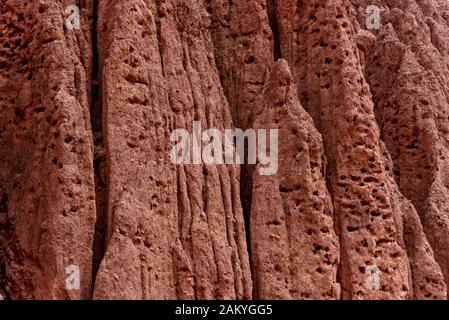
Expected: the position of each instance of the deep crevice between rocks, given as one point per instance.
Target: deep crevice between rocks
(246, 171)
(99, 163)
(273, 21)
(246, 201)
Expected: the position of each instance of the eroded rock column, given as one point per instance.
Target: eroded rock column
(47, 195)
(174, 231)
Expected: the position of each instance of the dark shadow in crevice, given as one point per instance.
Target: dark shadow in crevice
(272, 16)
(100, 160)
(246, 201)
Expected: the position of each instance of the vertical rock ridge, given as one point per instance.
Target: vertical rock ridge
(243, 49)
(244, 54)
(87, 123)
(294, 246)
(47, 175)
(413, 120)
(332, 85)
(182, 222)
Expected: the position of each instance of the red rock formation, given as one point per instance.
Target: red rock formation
(295, 250)
(173, 231)
(86, 178)
(46, 173)
(331, 83)
(412, 109)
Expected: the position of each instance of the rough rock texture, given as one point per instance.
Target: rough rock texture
(295, 250)
(86, 117)
(46, 163)
(327, 62)
(412, 109)
(180, 228)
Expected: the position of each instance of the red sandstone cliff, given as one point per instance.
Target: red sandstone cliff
(86, 179)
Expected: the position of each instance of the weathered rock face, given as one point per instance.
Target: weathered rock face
(173, 231)
(328, 62)
(295, 250)
(89, 193)
(412, 109)
(47, 184)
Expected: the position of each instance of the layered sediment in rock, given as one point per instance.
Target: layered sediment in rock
(86, 123)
